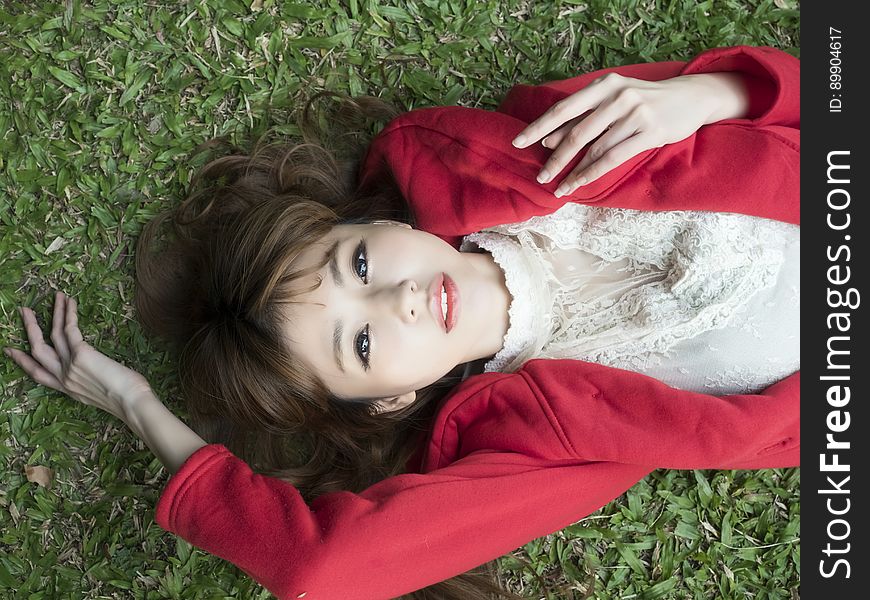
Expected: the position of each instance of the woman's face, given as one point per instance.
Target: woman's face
(369, 330)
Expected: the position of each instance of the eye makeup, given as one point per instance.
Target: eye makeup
(362, 341)
(361, 250)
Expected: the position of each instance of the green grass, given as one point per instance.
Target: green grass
(101, 103)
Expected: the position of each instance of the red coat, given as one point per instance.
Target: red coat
(513, 457)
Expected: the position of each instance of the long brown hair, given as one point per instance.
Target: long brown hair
(212, 288)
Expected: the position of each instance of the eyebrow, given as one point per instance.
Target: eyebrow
(332, 256)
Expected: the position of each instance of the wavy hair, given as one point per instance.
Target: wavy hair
(211, 276)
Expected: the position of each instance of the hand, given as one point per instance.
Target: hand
(73, 366)
(631, 116)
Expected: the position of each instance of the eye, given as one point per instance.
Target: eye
(360, 266)
(362, 347)
(360, 256)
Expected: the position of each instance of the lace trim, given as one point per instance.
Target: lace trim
(712, 264)
(525, 319)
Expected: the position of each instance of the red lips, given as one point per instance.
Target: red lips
(435, 300)
(444, 280)
(453, 302)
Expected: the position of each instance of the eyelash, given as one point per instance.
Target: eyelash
(361, 249)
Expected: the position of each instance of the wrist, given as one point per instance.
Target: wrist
(168, 437)
(728, 95)
(133, 399)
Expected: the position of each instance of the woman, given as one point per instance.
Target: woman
(513, 455)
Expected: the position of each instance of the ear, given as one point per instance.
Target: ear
(395, 403)
(389, 222)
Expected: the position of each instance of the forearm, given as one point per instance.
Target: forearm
(165, 434)
(330, 547)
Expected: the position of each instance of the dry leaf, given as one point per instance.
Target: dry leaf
(709, 527)
(38, 474)
(56, 244)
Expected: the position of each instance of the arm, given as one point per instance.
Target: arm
(619, 117)
(500, 499)
(772, 78)
(570, 409)
(460, 173)
(758, 87)
(165, 434)
(398, 528)
(330, 548)
(77, 369)
(513, 456)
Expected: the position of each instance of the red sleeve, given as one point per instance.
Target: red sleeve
(575, 409)
(512, 457)
(399, 535)
(459, 172)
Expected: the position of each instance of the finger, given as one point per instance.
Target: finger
(35, 370)
(562, 111)
(73, 335)
(555, 138)
(618, 133)
(584, 132)
(41, 351)
(58, 337)
(613, 158)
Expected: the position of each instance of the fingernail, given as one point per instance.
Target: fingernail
(544, 176)
(519, 140)
(561, 190)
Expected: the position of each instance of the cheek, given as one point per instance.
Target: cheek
(410, 358)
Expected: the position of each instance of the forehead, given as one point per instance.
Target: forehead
(307, 328)
(316, 252)
(310, 314)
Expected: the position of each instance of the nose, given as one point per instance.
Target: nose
(408, 302)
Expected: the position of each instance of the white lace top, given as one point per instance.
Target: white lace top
(703, 301)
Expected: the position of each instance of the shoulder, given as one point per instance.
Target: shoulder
(497, 413)
(467, 404)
